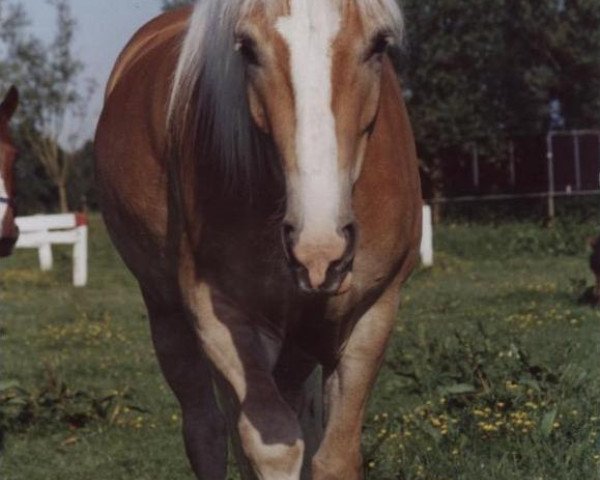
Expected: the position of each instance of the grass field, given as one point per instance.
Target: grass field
(494, 371)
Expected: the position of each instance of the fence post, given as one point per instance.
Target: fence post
(475, 166)
(550, 158)
(80, 252)
(427, 238)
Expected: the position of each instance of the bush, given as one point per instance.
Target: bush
(507, 240)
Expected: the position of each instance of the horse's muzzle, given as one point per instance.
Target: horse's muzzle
(320, 269)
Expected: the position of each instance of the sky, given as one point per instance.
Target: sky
(104, 27)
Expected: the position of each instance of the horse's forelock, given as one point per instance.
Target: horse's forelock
(383, 14)
(209, 120)
(214, 20)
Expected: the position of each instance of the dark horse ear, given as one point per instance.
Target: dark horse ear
(593, 241)
(9, 104)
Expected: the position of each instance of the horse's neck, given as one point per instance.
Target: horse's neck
(266, 206)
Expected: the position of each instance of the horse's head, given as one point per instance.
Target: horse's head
(313, 73)
(8, 229)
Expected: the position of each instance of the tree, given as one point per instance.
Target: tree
(451, 75)
(488, 71)
(552, 53)
(49, 77)
(17, 49)
(82, 188)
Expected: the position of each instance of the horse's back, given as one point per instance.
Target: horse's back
(138, 88)
(154, 33)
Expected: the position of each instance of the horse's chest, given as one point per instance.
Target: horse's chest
(248, 266)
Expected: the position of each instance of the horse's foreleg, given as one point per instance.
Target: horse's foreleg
(267, 426)
(347, 391)
(311, 418)
(188, 373)
(301, 385)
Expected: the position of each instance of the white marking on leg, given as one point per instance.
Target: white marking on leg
(275, 461)
(281, 460)
(309, 31)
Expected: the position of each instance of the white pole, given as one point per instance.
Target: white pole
(80, 257)
(45, 255)
(427, 238)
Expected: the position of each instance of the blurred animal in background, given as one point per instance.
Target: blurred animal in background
(8, 153)
(594, 243)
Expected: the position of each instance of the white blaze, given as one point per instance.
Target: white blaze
(309, 32)
(3, 206)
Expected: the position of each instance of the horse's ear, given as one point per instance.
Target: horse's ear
(9, 104)
(593, 241)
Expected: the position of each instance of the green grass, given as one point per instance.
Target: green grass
(493, 373)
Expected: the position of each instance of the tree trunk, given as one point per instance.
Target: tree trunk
(437, 207)
(62, 197)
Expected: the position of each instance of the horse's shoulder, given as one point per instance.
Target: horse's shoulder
(387, 198)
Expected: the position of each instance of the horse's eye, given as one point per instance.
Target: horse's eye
(247, 47)
(379, 44)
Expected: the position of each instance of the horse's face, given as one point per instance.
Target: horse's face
(8, 229)
(314, 73)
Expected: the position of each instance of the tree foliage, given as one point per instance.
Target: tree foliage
(488, 71)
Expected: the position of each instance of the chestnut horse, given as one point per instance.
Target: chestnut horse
(259, 178)
(8, 229)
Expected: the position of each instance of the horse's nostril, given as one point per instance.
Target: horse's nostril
(287, 235)
(323, 264)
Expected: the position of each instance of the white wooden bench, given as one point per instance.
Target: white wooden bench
(43, 231)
